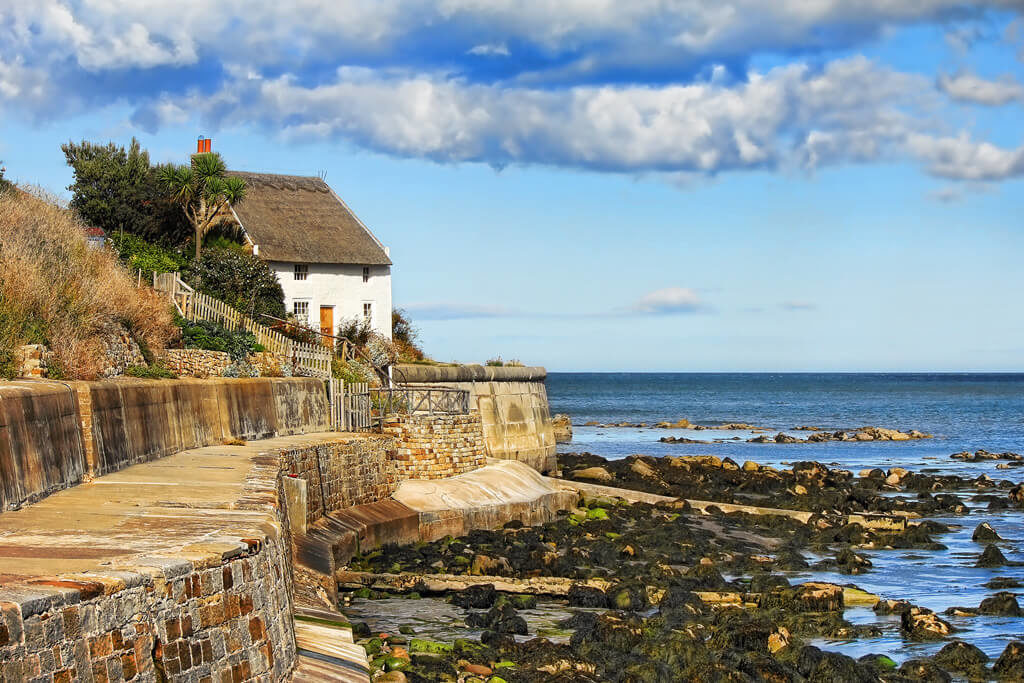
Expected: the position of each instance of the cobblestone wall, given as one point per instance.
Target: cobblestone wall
(342, 473)
(196, 362)
(435, 446)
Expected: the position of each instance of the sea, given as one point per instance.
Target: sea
(963, 412)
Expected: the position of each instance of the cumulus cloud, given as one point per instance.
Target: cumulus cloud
(962, 158)
(791, 115)
(968, 87)
(667, 301)
(647, 86)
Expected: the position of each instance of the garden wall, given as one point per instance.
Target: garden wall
(513, 405)
(435, 446)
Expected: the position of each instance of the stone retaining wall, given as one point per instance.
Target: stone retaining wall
(513, 405)
(435, 446)
(198, 363)
(342, 473)
(217, 610)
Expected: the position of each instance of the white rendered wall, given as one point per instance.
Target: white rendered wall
(340, 286)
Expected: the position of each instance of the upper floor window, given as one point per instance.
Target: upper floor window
(366, 273)
(301, 271)
(368, 311)
(301, 310)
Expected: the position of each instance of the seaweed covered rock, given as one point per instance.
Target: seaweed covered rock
(628, 597)
(1010, 665)
(991, 557)
(921, 624)
(805, 597)
(1002, 604)
(963, 658)
(925, 671)
(818, 665)
(479, 596)
(502, 619)
(849, 562)
(586, 596)
(984, 533)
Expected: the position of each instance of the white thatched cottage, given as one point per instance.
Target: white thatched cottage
(330, 265)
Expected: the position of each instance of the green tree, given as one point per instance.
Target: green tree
(204, 191)
(241, 280)
(118, 190)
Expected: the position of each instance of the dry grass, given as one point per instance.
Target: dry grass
(55, 289)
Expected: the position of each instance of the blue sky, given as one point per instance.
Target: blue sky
(598, 185)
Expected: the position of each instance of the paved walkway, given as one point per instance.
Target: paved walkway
(182, 505)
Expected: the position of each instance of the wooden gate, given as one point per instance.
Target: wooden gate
(350, 405)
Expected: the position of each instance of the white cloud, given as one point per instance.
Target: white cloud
(798, 306)
(667, 301)
(961, 158)
(968, 87)
(791, 115)
(489, 50)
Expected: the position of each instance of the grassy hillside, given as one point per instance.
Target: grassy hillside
(56, 290)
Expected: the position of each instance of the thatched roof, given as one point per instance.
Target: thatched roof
(300, 219)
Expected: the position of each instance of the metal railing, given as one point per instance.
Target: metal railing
(313, 359)
(420, 400)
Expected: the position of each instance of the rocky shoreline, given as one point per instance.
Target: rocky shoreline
(669, 593)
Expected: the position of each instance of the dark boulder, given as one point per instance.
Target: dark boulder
(501, 619)
(586, 596)
(1001, 604)
(991, 557)
(984, 533)
(924, 670)
(963, 658)
(1010, 665)
(821, 666)
(480, 596)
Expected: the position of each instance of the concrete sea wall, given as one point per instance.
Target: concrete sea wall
(54, 435)
(135, 422)
(41, 445)
(513, 405)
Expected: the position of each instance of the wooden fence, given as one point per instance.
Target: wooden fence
(313, 359)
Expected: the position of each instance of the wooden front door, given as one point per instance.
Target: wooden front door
(327, 324)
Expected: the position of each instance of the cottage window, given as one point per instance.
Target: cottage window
(301, 271)
(366, 273)
(368, 312)
(301, 311)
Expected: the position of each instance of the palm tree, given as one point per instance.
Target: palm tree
(204, 191)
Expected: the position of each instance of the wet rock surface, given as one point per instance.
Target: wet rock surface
(669, 593)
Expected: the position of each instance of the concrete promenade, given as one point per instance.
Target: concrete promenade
(73, 564)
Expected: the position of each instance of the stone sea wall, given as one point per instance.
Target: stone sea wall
(341, 473)
(144, 420)
(41, 445)
(53, 435)
(513, 405)
(435, 446)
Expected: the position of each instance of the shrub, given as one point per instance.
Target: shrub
(358, 331)
(352, 371)
(55, 289)
(154, 371)
(241, 368)
(213, 336)
(138, 254)
(406, 337)
(243, 281)
(495, 362)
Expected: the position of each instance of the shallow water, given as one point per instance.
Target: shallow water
(436, 619)
(964, 412)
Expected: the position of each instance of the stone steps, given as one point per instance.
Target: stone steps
(326, 649)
